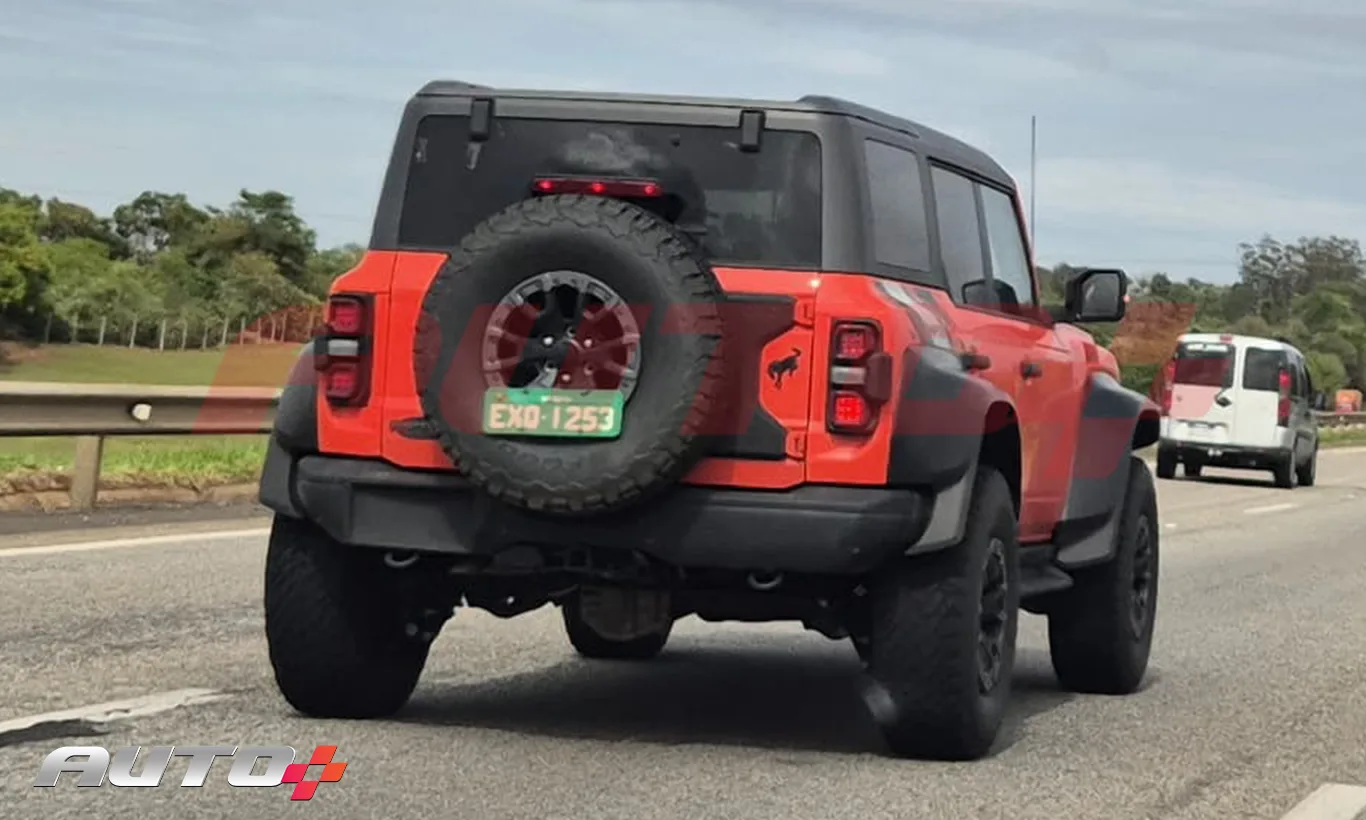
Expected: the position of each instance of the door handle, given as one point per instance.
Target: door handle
(1030, 370)
(972, 360)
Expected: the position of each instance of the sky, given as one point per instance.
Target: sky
(1169, 131)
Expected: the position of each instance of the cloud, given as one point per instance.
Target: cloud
(1144, 194)
(1169, 129)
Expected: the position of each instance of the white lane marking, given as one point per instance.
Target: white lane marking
(1270, 508)
(145, 541)
(1331, 801)
(117, 709)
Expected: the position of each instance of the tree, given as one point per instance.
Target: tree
(326, 265)
(254, 287)
(79, 276)
(23, 265)
(154, 221)
(1326, 371)
(271, 227)
(68, 220)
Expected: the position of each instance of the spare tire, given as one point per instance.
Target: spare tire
(522, 302)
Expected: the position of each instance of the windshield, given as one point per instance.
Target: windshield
(761, 208)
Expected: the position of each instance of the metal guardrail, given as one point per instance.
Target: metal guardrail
(1330, 419)
(92, 412)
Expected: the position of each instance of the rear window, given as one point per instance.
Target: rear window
(758, 209)
(1262, 369)
(1201, 364)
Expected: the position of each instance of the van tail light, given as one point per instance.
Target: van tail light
(1283, 405)
(860, 378)
(341, 354)
(1168, 385)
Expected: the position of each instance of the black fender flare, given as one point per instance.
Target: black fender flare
(293, 434)
(943, 416)
(1115, 423)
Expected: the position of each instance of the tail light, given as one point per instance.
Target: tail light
(860, 378)
(624, 188)
(1168, 385)
(1283, 405)
(342, 353)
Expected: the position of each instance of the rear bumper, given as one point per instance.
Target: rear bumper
(1224, 455)
(813, 529)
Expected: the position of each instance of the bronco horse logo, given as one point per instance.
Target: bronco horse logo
(786, 366)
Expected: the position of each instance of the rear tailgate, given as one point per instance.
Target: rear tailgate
(1203, 373)
(758, 210)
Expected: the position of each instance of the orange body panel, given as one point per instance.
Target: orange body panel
(1048, 407)
(412, 276)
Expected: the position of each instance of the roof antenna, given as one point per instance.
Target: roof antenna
(1033, 155)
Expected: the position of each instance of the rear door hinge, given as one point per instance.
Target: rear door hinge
(805, 315)
(796, 445)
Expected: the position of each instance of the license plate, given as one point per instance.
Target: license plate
(552, 412)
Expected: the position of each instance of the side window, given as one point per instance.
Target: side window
(960, 236)
(900, 235)
(1262, 369)
(1009, 260)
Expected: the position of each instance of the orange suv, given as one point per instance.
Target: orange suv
(647, 357)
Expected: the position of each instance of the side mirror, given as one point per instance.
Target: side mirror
(1096, 295)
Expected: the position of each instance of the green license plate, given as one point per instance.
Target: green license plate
(546, 411)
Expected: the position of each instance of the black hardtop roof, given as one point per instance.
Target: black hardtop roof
(935, 142)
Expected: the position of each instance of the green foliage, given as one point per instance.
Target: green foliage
(161, 257)
(1139, 377)
(23, 265)
(1326, 370)
(158, 257)
(1311, 292)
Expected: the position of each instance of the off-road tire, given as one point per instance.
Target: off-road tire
(334, 626)
(1094, 645)
(653, 266)
(1285, 473)
(923, 687)
(1309, 472)
(1166, 464)
(588, 643)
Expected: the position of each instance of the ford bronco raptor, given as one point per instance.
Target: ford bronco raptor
(647, 357)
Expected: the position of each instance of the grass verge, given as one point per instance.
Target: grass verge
(249, 365)
(38, 464)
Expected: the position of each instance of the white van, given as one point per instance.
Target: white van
(1238, 401)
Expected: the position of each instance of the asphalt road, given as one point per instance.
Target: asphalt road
(1257, 694)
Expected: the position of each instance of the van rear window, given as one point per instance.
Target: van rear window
(1202, 364)
(758, 209)
(1262, 370)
